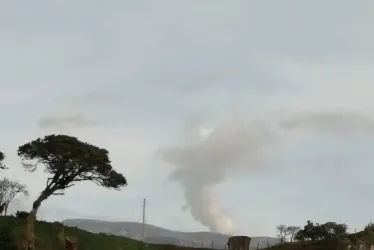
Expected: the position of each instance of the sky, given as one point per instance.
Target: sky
(231, 116)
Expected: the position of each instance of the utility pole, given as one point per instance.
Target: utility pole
(143, 225)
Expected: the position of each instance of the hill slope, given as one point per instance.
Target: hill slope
(158, 235)
(48, 236)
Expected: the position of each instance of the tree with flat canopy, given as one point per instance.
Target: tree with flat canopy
(67, 160)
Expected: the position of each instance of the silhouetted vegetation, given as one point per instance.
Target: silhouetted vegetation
(67, 160)
(22, 214)
(2, 157)
(318, 231)
(284, 231)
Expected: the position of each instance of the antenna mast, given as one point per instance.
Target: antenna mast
(143, 225)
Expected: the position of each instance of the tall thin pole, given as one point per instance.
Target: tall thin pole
(143, 225)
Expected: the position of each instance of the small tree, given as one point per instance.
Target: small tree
(282, 232)
(22, 214)
(9, 189)
(2, 157)
(68, 161)
(292, 230)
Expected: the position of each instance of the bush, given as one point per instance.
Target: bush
(22, 214)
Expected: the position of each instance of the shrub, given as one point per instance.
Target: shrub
(22, 214)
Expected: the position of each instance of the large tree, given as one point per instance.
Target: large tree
(9, 189)
(2, 157)
(67, 160)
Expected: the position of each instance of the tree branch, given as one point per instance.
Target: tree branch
(58, 194)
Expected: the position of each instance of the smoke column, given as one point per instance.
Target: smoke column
(202, 164)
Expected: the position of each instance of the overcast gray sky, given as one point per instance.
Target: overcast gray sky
(284, 87)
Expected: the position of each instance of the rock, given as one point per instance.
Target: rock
(70, 243)
(239, 243)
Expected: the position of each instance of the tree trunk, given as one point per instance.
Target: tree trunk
(30, 226)
(2, 208)
(6, 209)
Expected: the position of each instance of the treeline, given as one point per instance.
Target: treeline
(314, 231)
(318, 231)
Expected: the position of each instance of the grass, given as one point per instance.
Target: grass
(50, 236)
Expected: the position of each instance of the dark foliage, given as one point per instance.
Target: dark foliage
(69, 160)
(22, 214)
(318, 231)
(2, 157)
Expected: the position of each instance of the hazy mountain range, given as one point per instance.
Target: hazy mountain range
(158, 235)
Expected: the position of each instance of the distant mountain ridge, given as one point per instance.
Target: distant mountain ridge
(158, 235)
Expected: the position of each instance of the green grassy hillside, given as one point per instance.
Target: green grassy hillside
(48, 236)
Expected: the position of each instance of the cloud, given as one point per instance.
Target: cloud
(76, 121)
(333, 122)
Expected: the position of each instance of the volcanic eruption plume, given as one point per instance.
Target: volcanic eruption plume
(202, 164)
